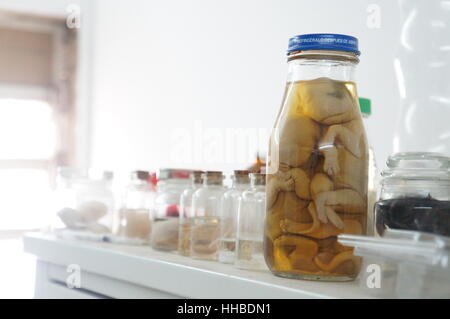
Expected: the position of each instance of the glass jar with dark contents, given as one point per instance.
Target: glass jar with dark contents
(415, 194)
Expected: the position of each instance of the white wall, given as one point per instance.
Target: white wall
(152, 67)
(161, 65)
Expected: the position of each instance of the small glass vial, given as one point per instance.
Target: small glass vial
(415, 194)
(134, 215)
(205, 226)
(372, 178)
(164, 233)
(250, 227)
(186, 213)
(229, 214)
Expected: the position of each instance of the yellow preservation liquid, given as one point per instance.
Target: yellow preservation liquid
(317, 181)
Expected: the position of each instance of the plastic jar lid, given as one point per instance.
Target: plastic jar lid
(365, 105)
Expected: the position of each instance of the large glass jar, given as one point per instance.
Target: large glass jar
(171, 183)
(205, 225)
(415, 194)
(134, 214)
(186, 213)
(317, 165)
(250, 226)
(229, 214)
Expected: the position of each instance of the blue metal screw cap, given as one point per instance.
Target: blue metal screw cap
(324, 41)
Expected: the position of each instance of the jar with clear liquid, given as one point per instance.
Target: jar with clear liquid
(166, 210)
(134, 214)
(229, 215)
(186, 213)
(205, 225)
(250, 227)
(317, 163)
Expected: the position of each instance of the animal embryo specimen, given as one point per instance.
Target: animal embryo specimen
(317, 181)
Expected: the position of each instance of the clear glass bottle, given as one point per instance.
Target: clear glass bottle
(373, 180)
(415, 194)
(250, 226)
(134, 214)
(205, 225)
(95, 204)
(186, 213)
(229, 214)
(317, 164)
(65, 200)
(164, 233)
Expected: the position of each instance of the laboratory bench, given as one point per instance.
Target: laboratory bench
(106, 270)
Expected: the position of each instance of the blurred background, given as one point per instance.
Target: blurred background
(122, 85)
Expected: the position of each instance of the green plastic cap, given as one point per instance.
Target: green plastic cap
(365, 105)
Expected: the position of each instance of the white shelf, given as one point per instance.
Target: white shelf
(121, 271)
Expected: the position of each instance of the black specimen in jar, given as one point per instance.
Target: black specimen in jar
(414, 213)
